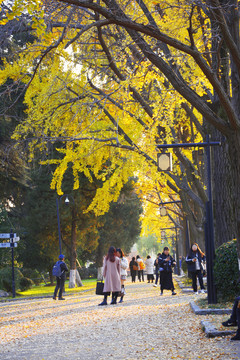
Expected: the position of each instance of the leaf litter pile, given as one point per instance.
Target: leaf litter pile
(144, 326)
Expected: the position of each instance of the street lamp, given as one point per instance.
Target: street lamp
(164, 161)
(163, 211)
(209, 228)
(58, 202)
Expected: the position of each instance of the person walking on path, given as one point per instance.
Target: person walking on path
(149, 268)
(111, 273)
(166, 262)
(194, 262)
(141, 267)
(60, 279)
(123, 273)
(156, 270)
(133, 265)
(234, 319)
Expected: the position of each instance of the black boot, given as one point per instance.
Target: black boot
(229, 322)
(104, 302)
(114, 299)
(122, 294)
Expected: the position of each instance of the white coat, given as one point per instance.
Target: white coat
(124, 266)
(149, 266)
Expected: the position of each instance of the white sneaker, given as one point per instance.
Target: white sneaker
(155, 285)
(196, 293)
(203, 291)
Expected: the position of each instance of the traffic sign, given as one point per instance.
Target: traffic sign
(8, 244)
(6, 236)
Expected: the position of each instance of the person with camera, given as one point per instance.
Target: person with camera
(166, 262)
(194, 262)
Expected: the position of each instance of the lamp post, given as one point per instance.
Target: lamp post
(209, 227)
(58, 201)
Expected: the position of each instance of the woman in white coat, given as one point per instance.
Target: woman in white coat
(149, 268)
(123, 273)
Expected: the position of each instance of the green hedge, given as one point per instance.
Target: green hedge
(6, 279)
(32, 274)
(226, 272)
(88, 273)
(25, 283)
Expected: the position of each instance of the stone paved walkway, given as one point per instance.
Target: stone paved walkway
(145, 326)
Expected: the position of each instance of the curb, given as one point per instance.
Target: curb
(211, 331)
(198, 311)
(2, 301)
(182, 287)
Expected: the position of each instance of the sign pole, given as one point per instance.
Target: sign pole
(13, 277)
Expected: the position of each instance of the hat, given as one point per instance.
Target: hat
(61, 256)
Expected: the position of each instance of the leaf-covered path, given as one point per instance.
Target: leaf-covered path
(145, 326)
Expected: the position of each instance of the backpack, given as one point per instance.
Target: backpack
(56, 271)
(141, 265)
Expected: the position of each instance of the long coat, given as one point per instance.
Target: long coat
(111, 273)
(166, 274)
(149, 266)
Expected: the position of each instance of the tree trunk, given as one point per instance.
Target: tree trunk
(72, 278)
(223, 192)
(234, 156)
(78, 279)
(73, 251)
(100, 273)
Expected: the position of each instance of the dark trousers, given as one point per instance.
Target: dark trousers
(194, 275)
(60, 286)
(140, 275)
(133, 274)
(236, 312)
(157, 276)
(150, 277)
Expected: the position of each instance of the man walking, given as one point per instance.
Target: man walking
(59, 271)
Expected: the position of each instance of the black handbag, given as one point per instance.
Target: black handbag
(99, 288)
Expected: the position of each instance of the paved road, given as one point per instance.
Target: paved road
(145, 326)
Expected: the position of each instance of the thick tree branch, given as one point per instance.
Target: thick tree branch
(119, 18)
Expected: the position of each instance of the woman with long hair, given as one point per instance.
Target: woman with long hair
(123, 274)
(194, 262)
(111, 273)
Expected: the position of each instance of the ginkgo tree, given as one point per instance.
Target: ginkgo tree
(112, 79)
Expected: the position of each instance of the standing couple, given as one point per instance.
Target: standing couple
(115, 273)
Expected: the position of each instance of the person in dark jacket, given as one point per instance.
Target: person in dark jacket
(156, 270)
(234, 319)
(194, 262)
(60, 279)
(133, 265)
(166, 262)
